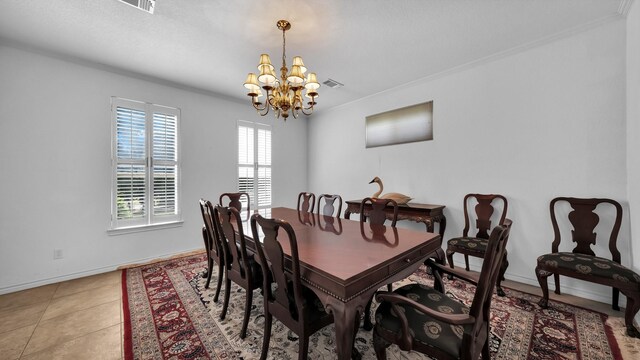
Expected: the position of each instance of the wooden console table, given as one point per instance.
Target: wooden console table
(422, 213)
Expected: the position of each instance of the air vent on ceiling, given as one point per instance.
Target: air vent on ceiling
(146, 5)
(333, 84)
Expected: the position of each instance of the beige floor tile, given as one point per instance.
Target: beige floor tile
(88, 283)
(21, 317)
(71, 326)
(100, 345)
(82, 300)
(13, 342)
(27, 297)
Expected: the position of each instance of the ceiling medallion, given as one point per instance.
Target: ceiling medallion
(284, 95)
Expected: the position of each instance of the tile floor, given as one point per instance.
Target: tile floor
(76, 319)
(82, 319)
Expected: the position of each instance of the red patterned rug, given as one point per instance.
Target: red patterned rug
(170, 315)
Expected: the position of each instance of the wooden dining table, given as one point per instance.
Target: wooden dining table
(344, 262)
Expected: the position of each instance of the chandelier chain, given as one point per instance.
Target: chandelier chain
(284, 49)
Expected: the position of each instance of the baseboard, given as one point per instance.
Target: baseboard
(100, 270)
(566, 289)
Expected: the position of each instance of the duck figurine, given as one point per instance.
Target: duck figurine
(401, 199)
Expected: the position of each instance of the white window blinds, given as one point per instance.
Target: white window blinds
(146, 164)
(254, 163)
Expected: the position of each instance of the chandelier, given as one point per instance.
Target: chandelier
(284, 94)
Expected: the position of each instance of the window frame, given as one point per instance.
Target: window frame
(256, 126)
(150, 220)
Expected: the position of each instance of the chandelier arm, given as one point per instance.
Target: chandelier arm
(305, 112)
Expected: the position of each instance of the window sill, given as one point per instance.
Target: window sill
(141, 228)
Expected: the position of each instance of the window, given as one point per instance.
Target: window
(146, 165)
(254, 163)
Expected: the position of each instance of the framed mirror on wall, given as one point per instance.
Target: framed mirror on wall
(400, 126)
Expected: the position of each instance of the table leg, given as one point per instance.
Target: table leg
(443, 226)
(346, 317)
(347, 214)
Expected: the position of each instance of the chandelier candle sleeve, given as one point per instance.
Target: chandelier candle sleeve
(283, 95)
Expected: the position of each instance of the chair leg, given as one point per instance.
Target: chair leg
(615, 298)
(542, 279)
(503, 270)
(466, 262)
(390, 287)
(209, 272)
(367, 325)
(267, 335)
(227, 293)
(219, 286)
(556, 278)
(303, 346)
(247, 313)
(450, 258)
(380, 346)
(633, 305)
(486, 355)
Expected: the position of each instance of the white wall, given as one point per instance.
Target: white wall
(55, 167)
(633, 127)
(545, 122)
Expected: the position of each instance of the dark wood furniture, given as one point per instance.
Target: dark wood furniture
(376, 210)
(343, 285)
(582, 263)
(476, 245)
(377, 215)
(328, 209)
(422, 213)
(419, 318)
(296, 306)
(306, 201)
(241, 266)
(212, 245)
(235, 200)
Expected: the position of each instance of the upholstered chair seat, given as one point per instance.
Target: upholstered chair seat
(589, 265)
(429, 331)
(468, 244)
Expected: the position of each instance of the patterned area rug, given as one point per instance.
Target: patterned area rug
(170, 315)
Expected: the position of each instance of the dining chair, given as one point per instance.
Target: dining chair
(328, 209)
(419, 318)
(306, 201)
(215, 254)
(582, 262)
(285, 297)
(236, 200)
(241, 265)
(378, 213)
(377, 217)
(476, 245)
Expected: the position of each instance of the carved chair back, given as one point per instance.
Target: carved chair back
(378, 213)
(236, 200)
(328, 208)
(233, 241)
(306, 201)
(287, 300)
(484, 209)
(584, 221)
(212, 243)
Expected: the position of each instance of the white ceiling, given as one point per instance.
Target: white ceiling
(369, 45)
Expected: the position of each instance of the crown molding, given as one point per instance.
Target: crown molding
(624, 7)
(499, 55)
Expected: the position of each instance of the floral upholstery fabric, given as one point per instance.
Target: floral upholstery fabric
(588, 265)
(472, 244)
(425, 329)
